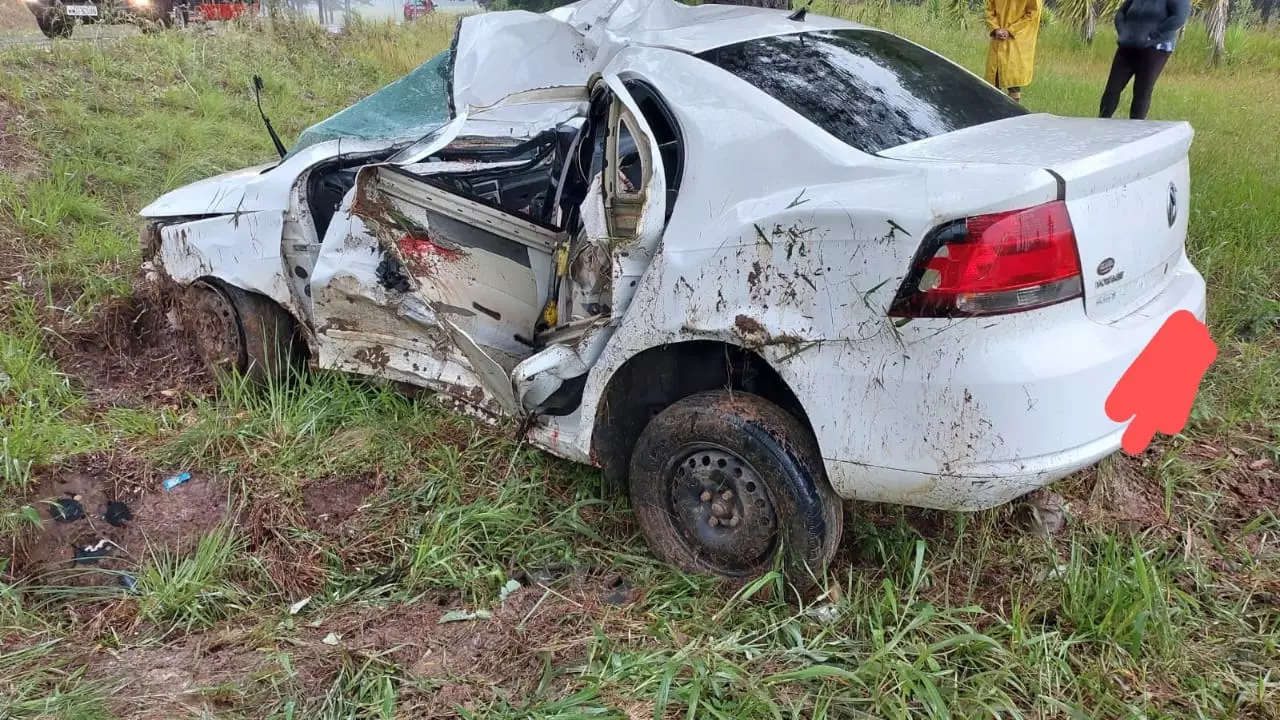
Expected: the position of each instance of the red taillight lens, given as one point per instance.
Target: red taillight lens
(994, 264)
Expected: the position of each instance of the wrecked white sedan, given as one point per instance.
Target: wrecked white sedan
(748, 263)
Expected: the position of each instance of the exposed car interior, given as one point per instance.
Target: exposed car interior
(582, 187)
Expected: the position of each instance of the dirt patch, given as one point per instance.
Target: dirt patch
(102, 512)
(440, 667)
(470, 663)
(1117, 495)
(333, 506)
(1232, 483)
(130, 352)
(1244, 472)
(161, 682)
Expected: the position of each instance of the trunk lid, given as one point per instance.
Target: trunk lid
(1126, 185)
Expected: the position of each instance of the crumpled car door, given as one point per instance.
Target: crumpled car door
(628, 221)
(431, 287)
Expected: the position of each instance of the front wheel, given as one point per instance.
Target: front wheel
(239, 332)
(728, 483)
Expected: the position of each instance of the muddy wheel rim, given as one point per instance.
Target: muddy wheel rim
(721, 508)
(216, 329)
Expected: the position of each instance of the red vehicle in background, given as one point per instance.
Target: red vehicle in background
(417, 8)
(212, 11)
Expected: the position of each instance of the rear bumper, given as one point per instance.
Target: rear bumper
(969, 414)
(979, 485)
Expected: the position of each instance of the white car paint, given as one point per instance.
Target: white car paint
(263, 187)
(784, 241)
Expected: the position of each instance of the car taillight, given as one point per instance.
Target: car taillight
(994, 264)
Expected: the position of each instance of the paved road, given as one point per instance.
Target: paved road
(83, 33)
(378, 10)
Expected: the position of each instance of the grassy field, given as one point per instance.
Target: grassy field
(344, 551)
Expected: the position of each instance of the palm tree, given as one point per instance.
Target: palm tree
(1085, 14)
(1215, 19)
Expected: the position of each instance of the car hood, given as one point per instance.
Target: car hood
(217, 195)
(254, 189)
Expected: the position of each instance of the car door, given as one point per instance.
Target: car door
(437, 277)
(433, 284)
(635, 195)
(625, 219)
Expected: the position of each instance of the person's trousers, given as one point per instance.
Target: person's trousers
(1141, 64)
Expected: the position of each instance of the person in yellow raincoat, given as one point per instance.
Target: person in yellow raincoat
(1015, 26)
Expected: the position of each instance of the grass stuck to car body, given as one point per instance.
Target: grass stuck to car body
(342, 548)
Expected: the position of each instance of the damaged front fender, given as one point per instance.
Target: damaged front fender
(242, 250)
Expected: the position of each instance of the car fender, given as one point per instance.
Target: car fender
(242, 250)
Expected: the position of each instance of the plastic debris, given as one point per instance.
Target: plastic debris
(296, 608)
(461, 615)
(91, 554)
(331, 639)
(117, 513)
(507, 589)
(826, 614)
(129, 582)
(176, 480)
(620, 591)
(541, 575)
(66, 510)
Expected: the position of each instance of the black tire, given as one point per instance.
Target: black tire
(778, 497)
(239, 332)
(54, 24)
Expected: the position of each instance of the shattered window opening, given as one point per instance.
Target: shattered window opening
(407, 109)
(666, 134)
(870, 89)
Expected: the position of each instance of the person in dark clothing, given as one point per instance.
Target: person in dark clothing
(1147, 31)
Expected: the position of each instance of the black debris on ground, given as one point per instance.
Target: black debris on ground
(66, 510)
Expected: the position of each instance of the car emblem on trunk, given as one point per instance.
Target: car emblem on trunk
(1105, 266)
(1172, 212)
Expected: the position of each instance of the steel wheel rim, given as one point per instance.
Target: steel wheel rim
(216, 329)
(720, 508)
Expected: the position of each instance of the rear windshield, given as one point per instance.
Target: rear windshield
(870, 89)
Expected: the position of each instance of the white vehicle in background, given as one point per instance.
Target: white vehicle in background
(748, 263)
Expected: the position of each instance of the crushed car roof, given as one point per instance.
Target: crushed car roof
(506, 58)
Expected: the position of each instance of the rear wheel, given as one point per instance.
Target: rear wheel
(728, 483)
(54, 23)
(239, 332)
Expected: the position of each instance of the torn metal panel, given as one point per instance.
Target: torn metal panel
(492, 266)
(364, 326)
(570, 354)
(242, 250)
